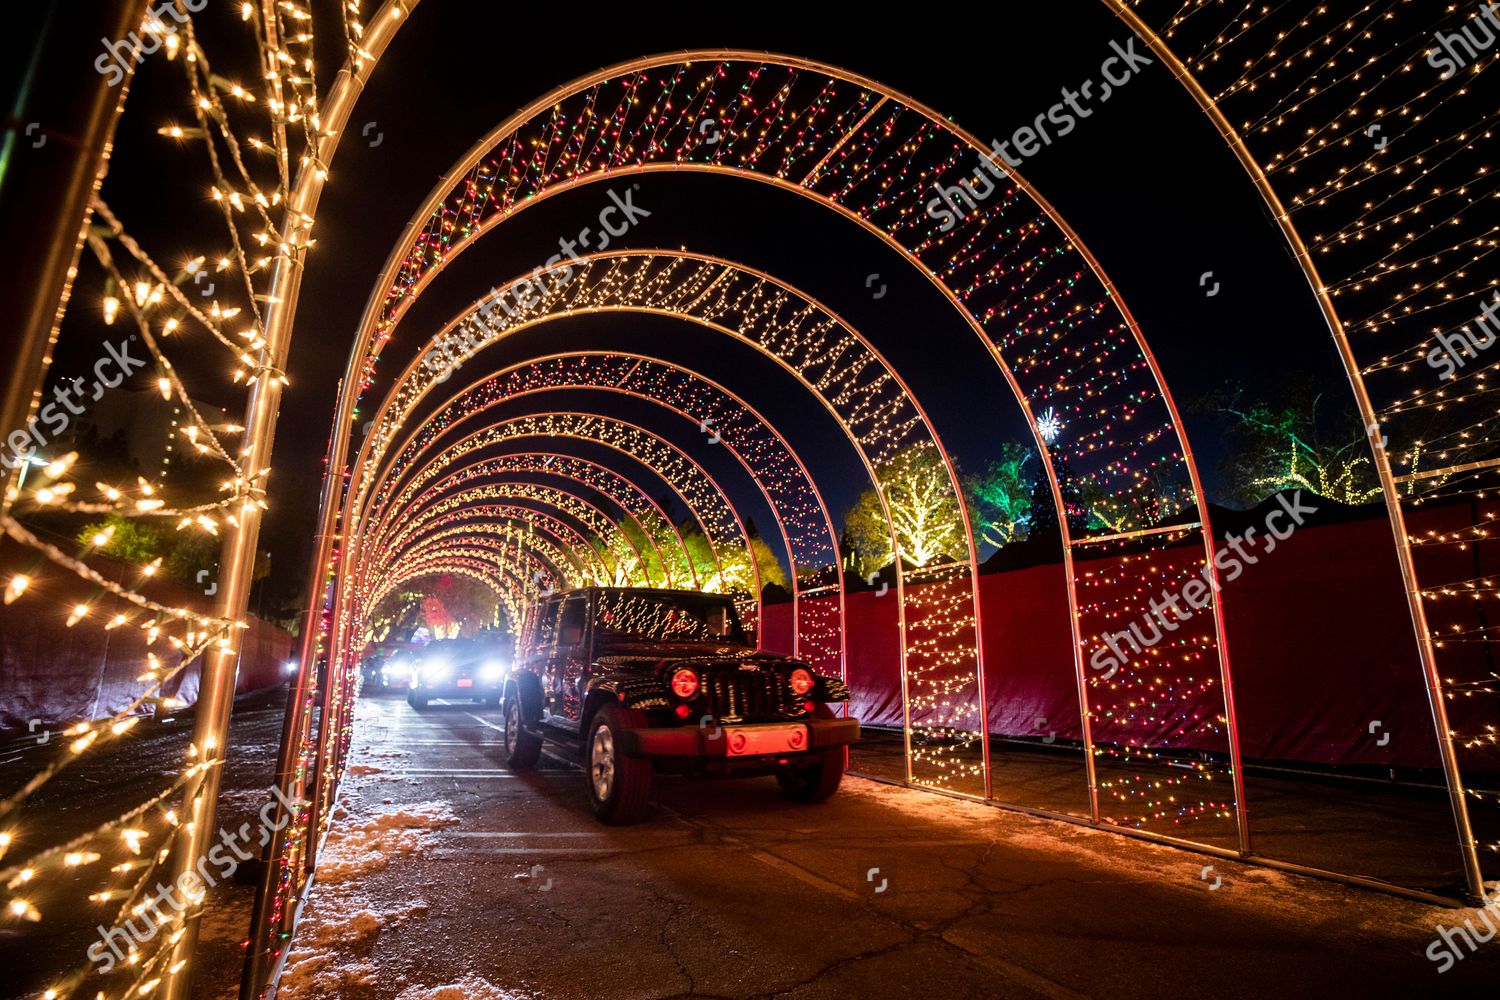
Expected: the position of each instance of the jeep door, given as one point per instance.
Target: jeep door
(536, 652)
(571, 659)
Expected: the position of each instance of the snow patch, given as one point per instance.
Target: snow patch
(362, 846)
(467, 988)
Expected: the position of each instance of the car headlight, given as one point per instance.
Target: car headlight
(684, 683)
(492, 671)
(801, 681)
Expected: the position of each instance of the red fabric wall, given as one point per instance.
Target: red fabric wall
(1321, 646)
(61, 675)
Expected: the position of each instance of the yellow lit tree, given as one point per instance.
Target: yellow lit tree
(925, 513)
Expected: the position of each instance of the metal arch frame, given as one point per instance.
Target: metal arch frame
(618, 488)
(453, 510)
(452, 505)
(376, 521)
(372, 461)
(375, 311)
(379, 480)
(491, 467)
(356, 538)
(500, 544)
(747, 462)
(351, 606)
(587, 513)
(430, 545)
(509, 585)
(544, 550)
(377, 525)
(603, 388)
(506, 562)
(456, 515)
(1468, 848)
(378, 440)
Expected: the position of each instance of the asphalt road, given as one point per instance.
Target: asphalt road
(447, 870)
(99, 787)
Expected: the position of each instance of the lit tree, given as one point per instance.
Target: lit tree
(733, 571)
(1044, 506)
(1291, 445)
(1000, 496)
(399, 613)
(925, 512)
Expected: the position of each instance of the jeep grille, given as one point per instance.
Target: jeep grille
(744, 696)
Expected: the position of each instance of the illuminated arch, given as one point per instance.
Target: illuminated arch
(1012, 269)
(547, 530)
(656, 528)
(838, 366)
(802, 516)
(555, 560)
(724, 528)
(1391, 484)
(617, 552)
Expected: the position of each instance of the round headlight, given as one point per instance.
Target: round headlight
(684, 683)
(801, 681)
(492, 671)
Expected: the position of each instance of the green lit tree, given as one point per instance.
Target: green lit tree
(732, 571)
(1303, 440)
(1000, 496)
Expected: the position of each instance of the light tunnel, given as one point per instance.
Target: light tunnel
(684, 405)
(1014, 273)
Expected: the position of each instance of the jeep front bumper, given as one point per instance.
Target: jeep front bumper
(713, 741)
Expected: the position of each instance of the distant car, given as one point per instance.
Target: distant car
(456, 669)
(387, 673)
(666, 680)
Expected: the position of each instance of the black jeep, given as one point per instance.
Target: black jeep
(665, 680)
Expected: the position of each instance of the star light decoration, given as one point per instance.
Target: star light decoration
(1049, 426)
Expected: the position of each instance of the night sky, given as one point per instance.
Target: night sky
(1145, 181)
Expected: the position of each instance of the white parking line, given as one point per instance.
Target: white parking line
(500, 833)
(469, 852)
(474, 772)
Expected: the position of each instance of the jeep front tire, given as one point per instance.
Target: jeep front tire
(815, 781)
(619, 786)
(522, 748)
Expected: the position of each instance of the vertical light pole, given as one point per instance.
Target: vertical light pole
(220, 666)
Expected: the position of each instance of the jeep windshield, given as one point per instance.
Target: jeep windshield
(636, 617)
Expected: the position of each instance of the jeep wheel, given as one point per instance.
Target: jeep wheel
(618, 785)
(817, 781)
(522, 749)
(415, 702)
